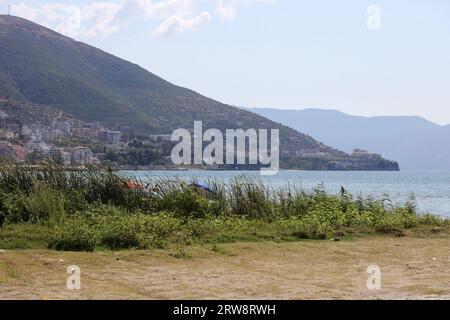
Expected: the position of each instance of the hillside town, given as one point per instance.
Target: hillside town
(68, 141)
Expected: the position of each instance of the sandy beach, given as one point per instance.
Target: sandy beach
(412, 267)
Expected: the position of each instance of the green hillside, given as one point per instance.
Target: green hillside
(42, 67)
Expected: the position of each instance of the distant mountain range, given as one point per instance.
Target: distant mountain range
(43, 68)
(418, 144)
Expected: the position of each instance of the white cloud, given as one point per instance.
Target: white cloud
(105, 18)
(163, 9)
(252, 2)
(97, 18)
(25, 11)
(225, 11)
(181, 23)
(100, 18)
(175, 15)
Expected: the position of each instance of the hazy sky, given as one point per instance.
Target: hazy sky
(276, 53)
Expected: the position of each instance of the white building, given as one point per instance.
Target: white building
(39, 146)
(160, 137)
(364, 154)
(64, 126)
(81, 155)
(65, 155)
(114, 136)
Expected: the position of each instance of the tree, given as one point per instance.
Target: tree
(35, 157)
(57, 159)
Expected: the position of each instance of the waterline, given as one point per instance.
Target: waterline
(431, 189)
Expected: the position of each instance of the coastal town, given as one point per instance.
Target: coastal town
(69, 141)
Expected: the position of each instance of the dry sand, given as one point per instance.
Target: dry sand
(411, 268)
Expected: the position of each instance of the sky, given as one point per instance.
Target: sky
(361, 57)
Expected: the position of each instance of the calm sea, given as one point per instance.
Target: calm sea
(431, 189)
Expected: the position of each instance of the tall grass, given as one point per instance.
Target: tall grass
(100, 207)
(78, 186)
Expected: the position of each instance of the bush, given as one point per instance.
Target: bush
(46, 205)
(390, 223)
(311, 228)
(139, 231)
(42, 205)
(432, 220)
(75, 201)
(185, 203)
(14, 208)
(3, 209)
(76, 235)
(124, 234)
(115, 229)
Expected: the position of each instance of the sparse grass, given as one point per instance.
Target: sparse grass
(10, 270)
(181, 254)
(25, 236)
(218, 249)
(81, 210)
(257, 270)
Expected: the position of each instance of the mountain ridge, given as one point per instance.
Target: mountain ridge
(417, 143)
(42, 67)
(337, 111)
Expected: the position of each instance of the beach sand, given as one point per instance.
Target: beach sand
(412, 267)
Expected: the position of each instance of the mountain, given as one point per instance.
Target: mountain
(41, 67)
(418, 144)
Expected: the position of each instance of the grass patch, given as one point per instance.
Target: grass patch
(82, 210)
(25, 236)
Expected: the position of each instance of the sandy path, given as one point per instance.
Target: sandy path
(411, 268)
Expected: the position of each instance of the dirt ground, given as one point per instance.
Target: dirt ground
(411, 268)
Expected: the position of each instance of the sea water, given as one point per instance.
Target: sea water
(431, 189)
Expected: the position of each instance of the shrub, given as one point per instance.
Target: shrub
(42, 205)
(139, 231)
(45, 205)
(75, 201)
(15, 208)
(293, 202)
(123, 234)
(432, 220)
(76, 235)
(310, 228)
(389, 223)
(116, 229)
(185, 203)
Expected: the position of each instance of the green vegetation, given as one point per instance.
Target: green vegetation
(41, 68)
(137, 154)
(98, 208)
